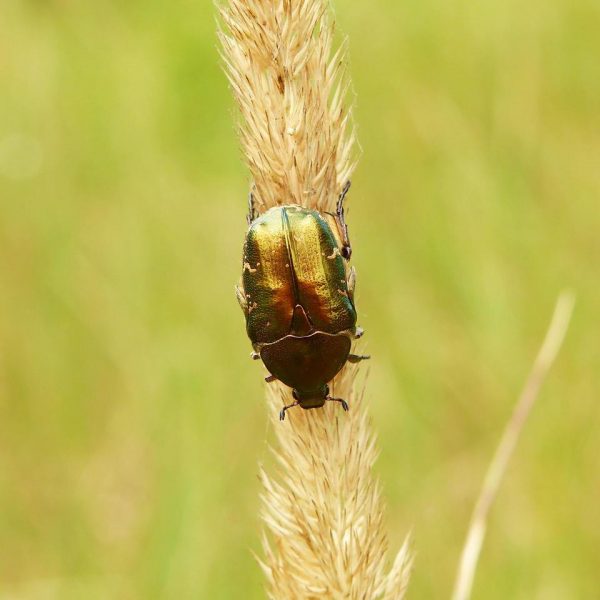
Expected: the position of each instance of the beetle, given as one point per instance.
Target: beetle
(297, 294)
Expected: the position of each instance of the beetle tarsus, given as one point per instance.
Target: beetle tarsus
(354, 358)
(340, 400)
(282, 413)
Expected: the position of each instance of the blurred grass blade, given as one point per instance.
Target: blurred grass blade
(493, 478)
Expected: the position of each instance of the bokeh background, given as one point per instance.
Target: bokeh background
(131, 418)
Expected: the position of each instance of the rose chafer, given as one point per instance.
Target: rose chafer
(297, 294)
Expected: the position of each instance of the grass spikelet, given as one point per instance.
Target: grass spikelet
(290, 87)
(323, 509)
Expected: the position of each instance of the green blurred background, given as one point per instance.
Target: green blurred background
(131, 418)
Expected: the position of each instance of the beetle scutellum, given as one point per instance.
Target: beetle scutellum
(297, 294)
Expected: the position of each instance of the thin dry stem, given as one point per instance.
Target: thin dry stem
(493, 478)
(323, 509)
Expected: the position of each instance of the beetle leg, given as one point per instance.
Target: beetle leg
(359, 333)
(339, 210)
(282, 413)
(354, 358)
(340, 400)
(241, 298)
(252, 213)
(270, 378)
(254, 355)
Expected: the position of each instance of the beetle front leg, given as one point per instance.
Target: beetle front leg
(282, 413)
(340, 400)
(355, 358)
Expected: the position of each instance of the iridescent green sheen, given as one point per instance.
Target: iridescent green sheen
(296, 297)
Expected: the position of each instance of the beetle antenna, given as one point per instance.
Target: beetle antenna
(282, 413)
(339, 209)
(340, 400)
(340, 202)
(252, 214)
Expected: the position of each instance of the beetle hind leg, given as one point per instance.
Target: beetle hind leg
(355, 358)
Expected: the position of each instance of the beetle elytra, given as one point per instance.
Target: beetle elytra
(297, 294)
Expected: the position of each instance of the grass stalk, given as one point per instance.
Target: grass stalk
(323, 511)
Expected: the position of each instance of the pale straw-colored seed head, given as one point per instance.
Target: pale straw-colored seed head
(291, 88)
(323, 509)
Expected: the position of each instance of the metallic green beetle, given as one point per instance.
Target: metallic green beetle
(297, 294)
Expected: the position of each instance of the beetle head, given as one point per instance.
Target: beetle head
(311, 398)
